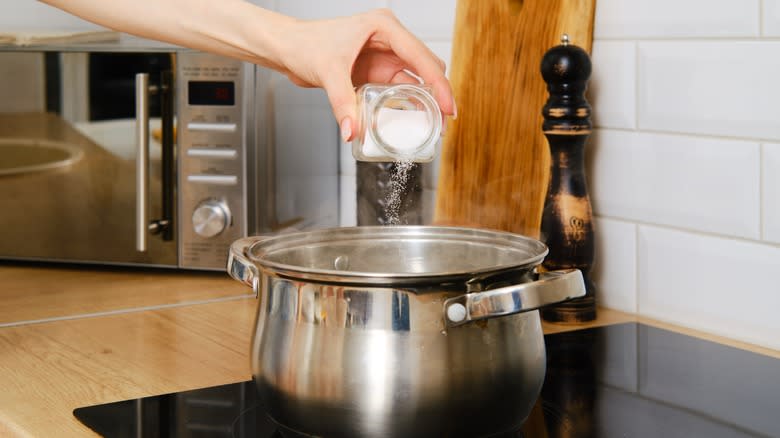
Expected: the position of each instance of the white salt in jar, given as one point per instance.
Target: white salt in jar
(397, 123)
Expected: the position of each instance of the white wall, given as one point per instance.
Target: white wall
(684, 165)
(34, 15)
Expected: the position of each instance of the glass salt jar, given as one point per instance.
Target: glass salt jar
(400, 123)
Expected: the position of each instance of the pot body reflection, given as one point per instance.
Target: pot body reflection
(348, 361)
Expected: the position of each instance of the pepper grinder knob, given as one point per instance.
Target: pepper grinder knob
(567, 222)
(566, 69)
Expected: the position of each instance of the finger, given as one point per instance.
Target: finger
(405, 77)
(299, 82)
(421, 60)
(442, 64)
(341, 95)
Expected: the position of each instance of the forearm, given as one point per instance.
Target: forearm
(230, 27)
(335, 54)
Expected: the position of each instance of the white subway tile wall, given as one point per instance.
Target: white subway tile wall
(347, 163)
(614, 272)
(612, 89)
(348, 200)
(697, 183)
(635, 19)
(771, 18)
(442, 49)
(715, 284)
(325, 9)
(770, 173)
(710, 87)
(26, 15)
(305, 158)
(685, 157)
(429, 20)
(692, 174)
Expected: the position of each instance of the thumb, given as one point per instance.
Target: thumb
(343, 100)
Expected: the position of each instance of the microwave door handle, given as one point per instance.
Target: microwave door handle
(141, 160)
(165, 224)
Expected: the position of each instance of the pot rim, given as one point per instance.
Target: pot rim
(263, 246)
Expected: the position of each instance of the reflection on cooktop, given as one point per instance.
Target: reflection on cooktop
(621, 381)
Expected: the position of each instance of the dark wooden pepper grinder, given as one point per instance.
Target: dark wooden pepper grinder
(567, 222)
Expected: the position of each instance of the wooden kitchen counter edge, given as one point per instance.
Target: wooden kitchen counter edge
(34, 291)
(52, 368)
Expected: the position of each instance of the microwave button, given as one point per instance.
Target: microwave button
(227, 154)
(219, 180)
(213, 127)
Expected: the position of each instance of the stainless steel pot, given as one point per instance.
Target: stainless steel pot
(399, 331)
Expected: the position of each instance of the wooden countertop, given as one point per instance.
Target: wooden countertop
(50, 368)
(73, 335)
(37, 293)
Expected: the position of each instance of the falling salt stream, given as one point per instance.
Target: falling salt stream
(405, 131)
(399, 178)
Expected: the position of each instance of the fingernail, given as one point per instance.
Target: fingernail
(346, 128)
(454, 109)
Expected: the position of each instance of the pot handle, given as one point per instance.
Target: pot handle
(240, 267)
(551, 287)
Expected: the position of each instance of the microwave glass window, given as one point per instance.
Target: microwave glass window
(211, 93)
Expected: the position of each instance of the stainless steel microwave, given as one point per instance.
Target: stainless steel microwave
(137, 153)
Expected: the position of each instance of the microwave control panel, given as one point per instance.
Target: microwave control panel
(212, 151)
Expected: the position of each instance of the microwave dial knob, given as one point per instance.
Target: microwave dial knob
(210, 218)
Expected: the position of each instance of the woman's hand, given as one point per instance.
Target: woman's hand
(343, 53)
(336, 54)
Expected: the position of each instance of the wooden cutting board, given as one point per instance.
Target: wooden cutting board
(495, 159)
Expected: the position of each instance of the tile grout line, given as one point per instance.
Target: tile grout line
(682, 229)
(688, 134)
(636, 86)
(684, 39)
(125, 311)
(761, 221)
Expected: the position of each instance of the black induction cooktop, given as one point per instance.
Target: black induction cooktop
(622, 381)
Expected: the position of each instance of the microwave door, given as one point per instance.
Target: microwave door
(68, 183)
(163, 227)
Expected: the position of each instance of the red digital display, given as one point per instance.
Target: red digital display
(211, 93)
